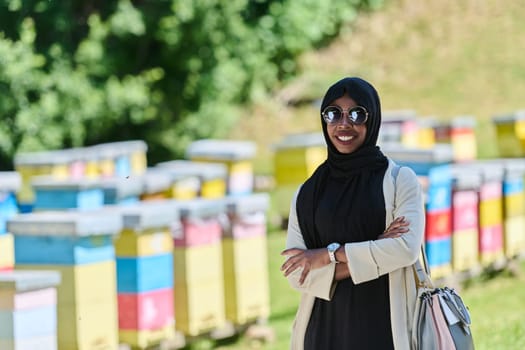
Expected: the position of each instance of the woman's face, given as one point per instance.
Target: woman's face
(345, 136)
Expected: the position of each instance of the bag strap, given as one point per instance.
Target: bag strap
(422, 272)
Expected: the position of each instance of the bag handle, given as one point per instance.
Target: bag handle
(422, 272)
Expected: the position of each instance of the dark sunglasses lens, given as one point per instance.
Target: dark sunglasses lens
(332, 115)
(357, 115)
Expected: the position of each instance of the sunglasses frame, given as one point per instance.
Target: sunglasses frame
(349, 113)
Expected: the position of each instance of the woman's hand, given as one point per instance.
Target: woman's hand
(308, 259)
(396, 228)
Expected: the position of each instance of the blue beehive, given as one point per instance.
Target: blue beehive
(60, 194)
(439, 190)
(135, 274)
(439, 252)
(64, 238)
(10, 182)
(79, 245)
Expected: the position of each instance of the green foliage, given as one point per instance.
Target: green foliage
(84, 72)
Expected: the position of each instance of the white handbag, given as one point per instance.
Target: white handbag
(441, 319)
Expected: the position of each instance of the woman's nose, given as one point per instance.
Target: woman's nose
(345, 120)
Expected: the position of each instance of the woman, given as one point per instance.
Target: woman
(346, 254)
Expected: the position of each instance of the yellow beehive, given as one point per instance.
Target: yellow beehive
(193, 264)
(139, 162)
(426, 137)
(440, 271)
(249, 300)
(213, 188)
(491, 212)
(199, 306)
(191, 179)
(236, 155)
(88, 326)
(122, 158)
(514, 236)
(7, 251)
(148, 242)
(246, 287)
(297, 164)
(399, 127)
(465, 253)
(198, 288)
(463, 138)
(146, 338)
(29, 165)
(510, 132)
(87, 305)
(297, 156)
(185, 188)
(490, 257)
(514, 204)
(244, 254)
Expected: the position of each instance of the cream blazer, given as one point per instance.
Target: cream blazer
(370, 259)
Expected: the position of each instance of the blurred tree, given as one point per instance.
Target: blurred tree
(168, 72)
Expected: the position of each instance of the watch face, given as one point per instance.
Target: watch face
(333, 246)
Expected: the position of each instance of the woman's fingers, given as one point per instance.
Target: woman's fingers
(291, 251)
(306, 260)
(396, 228)
(398, 223)
(303, 275)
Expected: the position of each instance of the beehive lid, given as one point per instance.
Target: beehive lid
(464, 121)
(123, 186)
(248, 203)
(466, 177)
(509, 118)
(199, 207)
(221, 149)
(42, 158)
(23, 281)
(440, 153)
(187, 168)
(149, 215)
(156, 180)
(51, 182)
(489, 170)
(66, 223)
(10, 181)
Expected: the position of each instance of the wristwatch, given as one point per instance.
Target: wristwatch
(332, 247)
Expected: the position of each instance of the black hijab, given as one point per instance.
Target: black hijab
(363, 167)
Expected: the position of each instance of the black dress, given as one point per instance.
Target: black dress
(358, 316)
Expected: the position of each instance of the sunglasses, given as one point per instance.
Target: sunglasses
(334, 114)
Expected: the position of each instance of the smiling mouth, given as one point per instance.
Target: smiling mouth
(345, 138)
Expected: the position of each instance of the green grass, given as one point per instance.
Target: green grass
(497, 307)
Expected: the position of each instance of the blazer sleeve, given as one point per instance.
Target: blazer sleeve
(370, 259)
(319, 282)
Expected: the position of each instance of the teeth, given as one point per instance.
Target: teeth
(345, 138)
